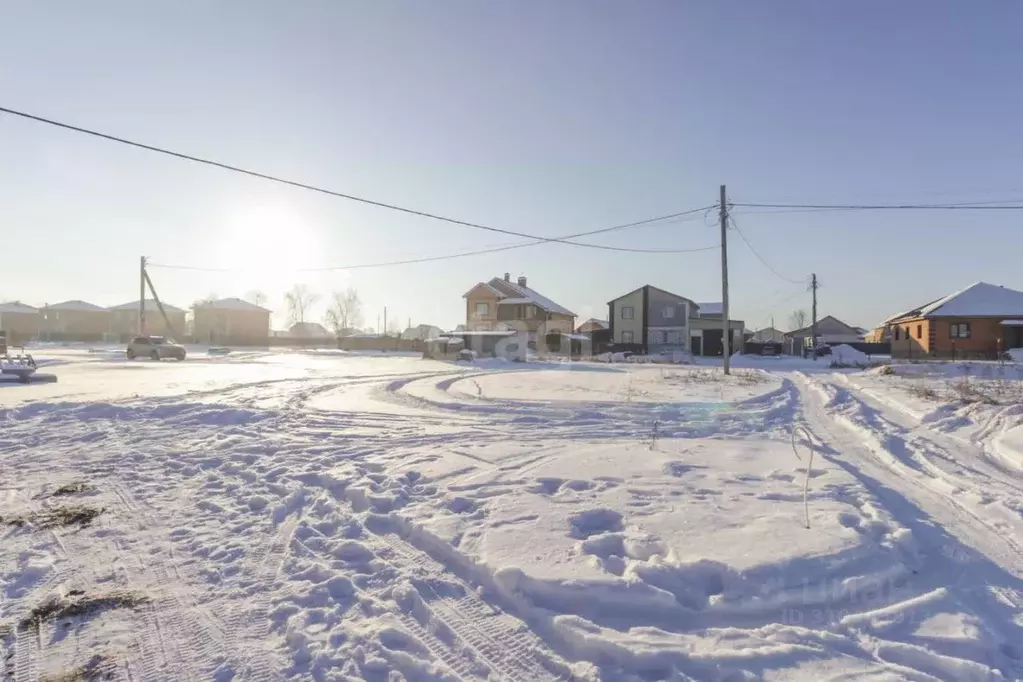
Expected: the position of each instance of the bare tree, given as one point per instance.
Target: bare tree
(299, 301)
(344, 312)
(797, 320)
(256, 297)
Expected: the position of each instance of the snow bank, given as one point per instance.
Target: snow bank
(847, 355)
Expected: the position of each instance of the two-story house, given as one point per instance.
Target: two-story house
(502, 304)
(655, 319)
(659, 321)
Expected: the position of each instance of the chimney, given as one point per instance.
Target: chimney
(507, 277)
(522, 281)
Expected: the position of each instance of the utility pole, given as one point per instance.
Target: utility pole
(142, 296)
(813, 325)
(726, 336)
(385, 320)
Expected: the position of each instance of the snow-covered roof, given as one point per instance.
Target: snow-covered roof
(711, 308)
(76, 305)
(977, 300)
(531, 295)
(308, 330)
(594, 321)
(231, 304)
(150, 306)
(17, 307)
(496, 292)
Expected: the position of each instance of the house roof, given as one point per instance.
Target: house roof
(150, 306)
(512, 292)
(230, 304)
(515, 290)
(308, 330)
(76, 305)
(600, 323)
(663, 291)
(980, 299)
(828, 324)
(17, 307)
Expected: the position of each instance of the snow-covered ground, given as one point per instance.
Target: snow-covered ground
(332, 516)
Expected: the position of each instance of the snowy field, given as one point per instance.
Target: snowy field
(331, 516)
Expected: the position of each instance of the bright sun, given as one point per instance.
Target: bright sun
(267, 244)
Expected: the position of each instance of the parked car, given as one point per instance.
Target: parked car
(155, 348)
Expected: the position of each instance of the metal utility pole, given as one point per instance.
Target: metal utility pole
(142, 296)
(726, 336)
(813, 325)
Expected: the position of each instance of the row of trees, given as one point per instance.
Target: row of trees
(343, 315)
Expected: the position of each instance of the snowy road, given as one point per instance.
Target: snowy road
(336, 517)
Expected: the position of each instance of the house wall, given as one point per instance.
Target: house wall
(83, 324)
(474, 322)
(126, 323)
(619, 325)
(930, 337)
(20, 326)
(242, 327)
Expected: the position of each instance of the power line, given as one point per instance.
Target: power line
(508, 247)
(759, 257)
(963, 206)
(313, 188)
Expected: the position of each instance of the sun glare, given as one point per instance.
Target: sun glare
(268, 245)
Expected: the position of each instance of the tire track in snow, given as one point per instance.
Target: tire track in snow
(181, 641)
(502, 641)
(905, 458)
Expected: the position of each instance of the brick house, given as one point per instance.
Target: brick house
(21, 322)
(231, 321)
(125, 320)
(980, 321)
(76, 321)
(501, 304)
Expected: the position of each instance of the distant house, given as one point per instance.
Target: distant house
(21, 322)
(592, 325)
(501, 304)
(231, 321)
(421, 332)
(768, 335)
(706, 328)
(125, 319)
(309, 330)
(982, 320)
(830, 330)
(76, 321)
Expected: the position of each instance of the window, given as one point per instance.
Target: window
(674, 338)
(897, 333)
(627, 336)
(482, 309)
(669, 311)
(959, 331)
(627, 312)
(919, 331)
(657, 337)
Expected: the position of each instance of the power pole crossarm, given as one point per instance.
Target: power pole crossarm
(726, 335)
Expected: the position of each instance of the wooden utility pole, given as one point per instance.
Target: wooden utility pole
(813, 323)
(385, 320)
(726, 335)
(142, 296)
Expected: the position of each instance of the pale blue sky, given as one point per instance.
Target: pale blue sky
(544, 117)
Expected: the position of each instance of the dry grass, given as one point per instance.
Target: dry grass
(57, 517)
(743, 377)
(72, 488)
(79, 606)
